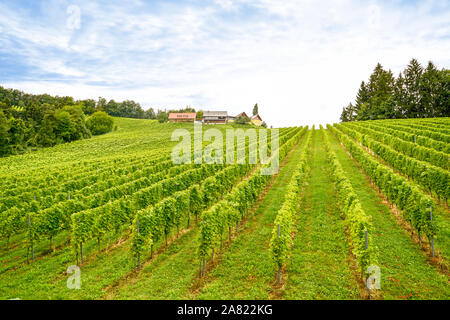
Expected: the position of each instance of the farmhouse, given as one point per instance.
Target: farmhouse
(218, 117)
(182, 117)
(233, 118)
(242, 114)
(256, 120)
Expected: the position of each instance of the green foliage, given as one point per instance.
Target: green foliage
(357, 220)
(432, 177)
(416, 93)
(255, 110)
(282, 232)
(199, 115)
(100, 123)
(397, 189)
(239, 200)
(242, 120)
(162, 116)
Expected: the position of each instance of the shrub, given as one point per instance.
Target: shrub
(99, 123)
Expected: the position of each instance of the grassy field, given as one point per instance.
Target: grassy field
(321, 263)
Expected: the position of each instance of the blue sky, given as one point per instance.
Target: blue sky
(300, 60)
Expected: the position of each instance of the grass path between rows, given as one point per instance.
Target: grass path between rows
(320, 267)
(176, 276)
(246, 270)
(405, 272)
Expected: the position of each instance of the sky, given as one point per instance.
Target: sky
(300, 60)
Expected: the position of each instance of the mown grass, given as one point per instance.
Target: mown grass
(46, 278)
(405, 271)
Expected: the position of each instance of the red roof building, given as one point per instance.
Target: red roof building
(182, 117)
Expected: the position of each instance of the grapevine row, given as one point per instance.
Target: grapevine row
(411, 149)
(359, 224)
(282, 233)
(407, 136)
(235, 205)
(432, 178)
(415, 206)
(95, 223)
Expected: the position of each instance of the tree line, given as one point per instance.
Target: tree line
(30, 121)
(417, 92)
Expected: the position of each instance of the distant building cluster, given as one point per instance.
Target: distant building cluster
(213, 117)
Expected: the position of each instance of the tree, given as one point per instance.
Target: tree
(99, 123)
(46, 136)
(150, 114)
(442, 108)
(88, 106)
(362, 96)
(4, 136)
(399, 97)
(16, 133)
(255, 109)
(416, 92)
(348, 113)
(412, 75)
(65, 127)
(79, 121)
(264, 125)
(430, 90)
(199, 115)
(242, 120)
(162, 116)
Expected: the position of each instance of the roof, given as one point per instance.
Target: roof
(188, 115)
(242, 114)
(215, 114)
(256, 116)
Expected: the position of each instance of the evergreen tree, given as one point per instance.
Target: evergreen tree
(255, 109)
(348, 113)
(362, 97)
(416, 92)
(399, 98)
(442, 101)
(413, 98)
(430, 88)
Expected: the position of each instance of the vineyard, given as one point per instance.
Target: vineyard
(357, 210)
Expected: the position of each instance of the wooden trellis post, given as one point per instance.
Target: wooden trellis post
(31, 235)
(366, 246)
(279, 269)
(139, 254)
(432, 237)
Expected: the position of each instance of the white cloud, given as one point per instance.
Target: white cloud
(301, 61)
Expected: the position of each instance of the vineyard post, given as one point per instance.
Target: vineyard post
(279, 269)
(432, 236)
(139, 254)
(189, 220)
(32, 245)
(204, 266)
(365, 238)
(366, 246)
